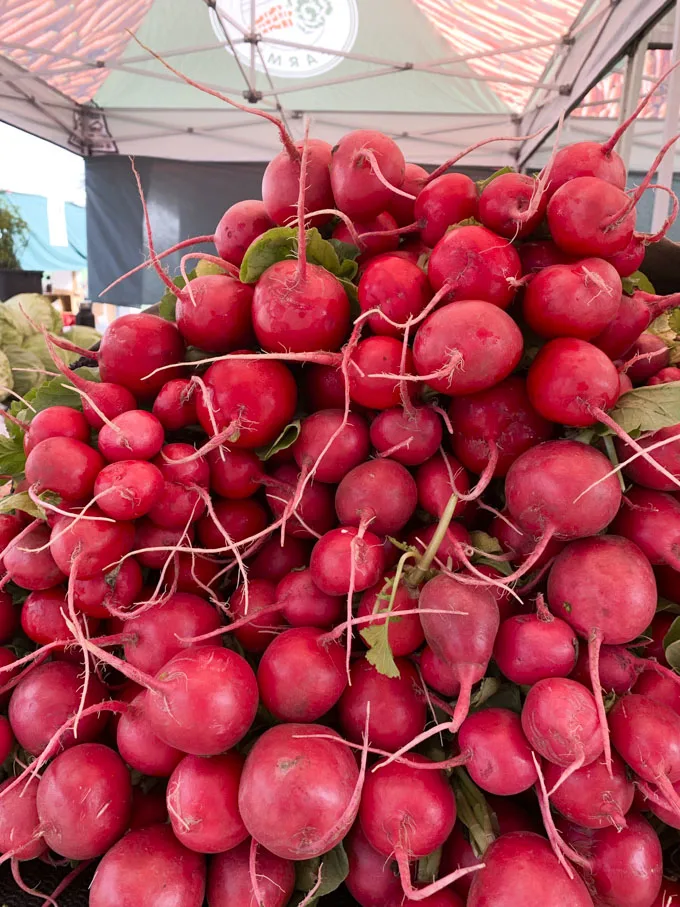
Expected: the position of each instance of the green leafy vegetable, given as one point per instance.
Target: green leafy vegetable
(379, 650)
(166, 307)
(637, 281)
(20, 359)
(286, 439)
(22, 501)
(12, 456)
(671, 644)
(281, 243)
(6, 378)
(335, 869)
(648, 408)
(482, 184)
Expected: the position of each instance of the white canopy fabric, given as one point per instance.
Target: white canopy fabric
(438, 75)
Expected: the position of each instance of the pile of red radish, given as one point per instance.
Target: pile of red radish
(343, 578)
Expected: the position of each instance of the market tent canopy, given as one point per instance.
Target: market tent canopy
(57, 238)
(436, 74)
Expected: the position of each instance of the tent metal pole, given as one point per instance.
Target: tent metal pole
(253, 48)
(630, 96)
(665, 171)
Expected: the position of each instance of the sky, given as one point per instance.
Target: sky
(36, 167)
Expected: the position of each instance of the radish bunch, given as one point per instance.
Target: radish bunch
(345, 571)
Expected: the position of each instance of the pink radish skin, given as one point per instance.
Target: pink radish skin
(147, 535)
(586, 159)
(202, 681)
(635, 314)
(274, 560)
(650, 519)
(586, 216)
(147, 808)
(9, 618)
(96, 545)
(140, 748)
(618, 669)
(20, 833)
(401, 208)
(646, 735)
(238, 227)
(202, 798)
(299, 314)
(45, 698)
(315, 510)
(301, 675)
(520, 868)
(383, 239)
(505, 201)
(499, 754)
(229, 881)
(235, 474)
(543, 484)
(256, 635)
(195, 573)
(42, 617)
(65, 466)
(179, 503)
(532, 647)
(398, 288)
(84, 801)
(175, 404)
(499, 419)
(382, 491)
(655, 353)
(665, 376)
(357, 190)
(136, 345)
(630, 259)
(643, 473)
(437, 674)
(149, 865)
(214, 314)
(134, 435)
(261, 393)
(445, 201)
(449, 551)
(410, 438)
(590, 797)
(281, 185)
(540, 254)
(57, 421)
(303, 605)
(129, 489)
(377, 356)
(96, 595)
(666, 581)
(296, 790)
(521, 545)
(474, 343)
(324, 387)
(474, 263)
(35, 571)
(560, 721)
(371, 880)
(660, 688)
(348, 449)
(405, 635)
(238, 519)
(439, 478)
(398, 707)
(332, 557)
(575, 300)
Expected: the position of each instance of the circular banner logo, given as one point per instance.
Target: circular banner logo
(308, 24)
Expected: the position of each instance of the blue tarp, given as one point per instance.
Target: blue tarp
(41, 254)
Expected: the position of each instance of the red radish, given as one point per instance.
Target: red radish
(324, 387)
(474, 263)
(359, 160)
(9, 618)
(147, 808)
(213, 313)
(7, 739)
(57, 421)
(344, 559)
(664, 376)
(148, 866)
(201, 681)
(630, 259)
(229, 879)
(512, 205)
(9, 674)
(669, 895)
(95, 545)
(140, 747)
(543, 484)
(499, 755)
(330, 445)
(181, 502)
(256, 635)
(466, 347)
(402, 208)
(281, 184)
(439, 478)
(498, 421)
(313, 516)
(45, 698)
(133, 346)
(175, 404)
(299, 312)
(588, 216)
(405, 635)
(20, 833)
(625, 384)
(134, 435)
(590, 797)
(660, 688)
(202, 799)
(398, 707)
(650, 519)
(540, 254)
(507, 605)
(84, 801)
(371, 880)
(65, 466)
(666, 581)
(641, 471)
(377, 236)
(382, 492)
(648, 355)
(635, 314)
(443, 202)
(409, 437)
(560, 721)
(239, 226)
(573, 300)
(29, 562)
(118, 589)
(195, 572)
(438, 674)
(180, 463)
(232, 521)
(588, 159)
(42, 617)
(254, 399)
(235, 474)
(373, 358)
(520, 868)
(397, 288)
(531, 647)
(128, 489)
(301, 675)
(618, 669)
(274, 560)
(297, 794)
(303, 605)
